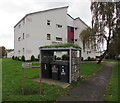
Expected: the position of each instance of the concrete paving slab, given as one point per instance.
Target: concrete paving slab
(53, 82)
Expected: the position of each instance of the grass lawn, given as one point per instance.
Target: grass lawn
(111, 93)
(88, 68)
(0, 79)
(110, 60)
(11, 85)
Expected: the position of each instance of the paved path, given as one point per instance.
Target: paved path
(91, 89)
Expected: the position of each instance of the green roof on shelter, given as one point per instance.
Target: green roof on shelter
(62, 45)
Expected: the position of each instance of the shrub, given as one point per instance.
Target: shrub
(88, 59)
(38, 56)
(65, 57)
(13, 57)
(19, 58)
(93, 59)
(58, 58)
(32, 58)
(118, 58)
(23, 58)
(16, 58)
(82, 58)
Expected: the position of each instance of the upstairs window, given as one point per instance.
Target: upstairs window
(19, 25)
(23, 50)
(48, 22)
(59, 26)
(19, 38)
(23, 36)
(48, 36)
(58, 39)
(23, 21)
(76, 28)
(18, 51)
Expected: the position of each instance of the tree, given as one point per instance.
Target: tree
(104, 22)
(32, 58)
(2, 51)
(116, 35)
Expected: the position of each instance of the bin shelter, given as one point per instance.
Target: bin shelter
(65, 71)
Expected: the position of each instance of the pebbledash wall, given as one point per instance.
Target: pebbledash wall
(47, 27)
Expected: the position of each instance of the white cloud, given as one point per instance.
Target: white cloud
(11, 11)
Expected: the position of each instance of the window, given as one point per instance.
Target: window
(58, 39)
(88, 52)
(59, 26)
(48, 22)
(75, 39)
(19, 26)
(19, 38)
(23, 50)
(48, 37)
(23, 36)
(18, 51)
(76, 28)
(23, 21)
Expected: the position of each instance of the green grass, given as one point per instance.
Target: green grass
(89, 68)
(111, 93)
(110, 60)
(0, 79)
(11, 76)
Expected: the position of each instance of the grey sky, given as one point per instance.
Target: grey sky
(11, 11)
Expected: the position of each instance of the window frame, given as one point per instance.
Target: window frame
(48, 36)
(58, 26)
(23, 36)
(48, 22)
(58, 39)
(19, 38)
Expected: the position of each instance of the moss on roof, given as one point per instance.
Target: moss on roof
(61, 45)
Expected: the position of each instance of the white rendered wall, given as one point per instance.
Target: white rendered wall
(10, 54)
(19, 45)
(36, 30)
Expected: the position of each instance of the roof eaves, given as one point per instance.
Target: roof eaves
(48, 10)
(39, 12)
(21, 20)
(70, 16)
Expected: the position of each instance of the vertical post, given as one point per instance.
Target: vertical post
(70, 65)
(40, 72)
(80, 60)
(22, 81)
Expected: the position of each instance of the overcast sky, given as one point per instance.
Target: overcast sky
(11, 11)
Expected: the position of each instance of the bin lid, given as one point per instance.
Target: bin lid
(60, 62)
(45, 62)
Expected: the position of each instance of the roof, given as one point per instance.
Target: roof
(70, 16)
(40, 12)
(81, 21)
(59, 49)
(51, 10)
(77, 18)
(61, 45)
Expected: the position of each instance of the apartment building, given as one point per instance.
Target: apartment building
(47, 27)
